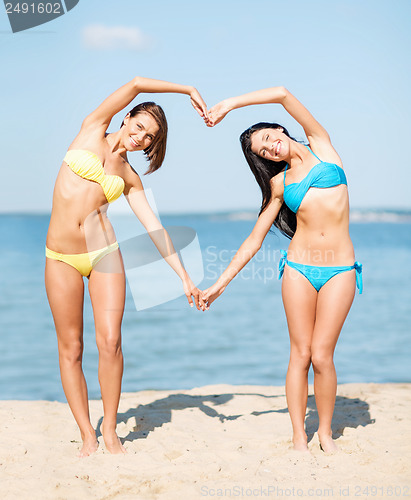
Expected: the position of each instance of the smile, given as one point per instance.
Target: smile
(277, 148)
(133, 142)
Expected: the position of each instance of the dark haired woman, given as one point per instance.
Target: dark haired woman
(81, 242)
(306, 199)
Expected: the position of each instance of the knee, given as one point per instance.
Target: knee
(322, 361)
(301, 358)
(70, 352)
(109, 344)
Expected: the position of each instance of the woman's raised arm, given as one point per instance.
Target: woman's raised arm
(122, 97)
(278, 95)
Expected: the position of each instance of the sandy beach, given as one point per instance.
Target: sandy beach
(216, 441)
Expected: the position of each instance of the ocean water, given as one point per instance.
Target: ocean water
(243, 339)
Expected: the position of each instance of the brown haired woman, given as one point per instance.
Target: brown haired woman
(81, 242)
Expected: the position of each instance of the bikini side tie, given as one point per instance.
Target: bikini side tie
(281, 264)
(358, 275)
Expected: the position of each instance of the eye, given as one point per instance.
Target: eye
(266, 137)
(263, 152)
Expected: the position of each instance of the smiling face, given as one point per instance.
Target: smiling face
(139, 131)
(271, 144)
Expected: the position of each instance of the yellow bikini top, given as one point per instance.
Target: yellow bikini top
(88, 165)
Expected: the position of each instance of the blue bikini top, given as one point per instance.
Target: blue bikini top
(322, 175)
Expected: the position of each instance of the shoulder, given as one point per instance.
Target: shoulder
(91, 138)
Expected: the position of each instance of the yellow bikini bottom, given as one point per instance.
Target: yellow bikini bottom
(83, 262)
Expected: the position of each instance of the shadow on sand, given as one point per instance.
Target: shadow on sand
(348, 413)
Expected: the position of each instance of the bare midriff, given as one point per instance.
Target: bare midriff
(322, 237)
(79, 221)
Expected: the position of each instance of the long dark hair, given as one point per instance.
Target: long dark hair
(156, 152)
(264, 170)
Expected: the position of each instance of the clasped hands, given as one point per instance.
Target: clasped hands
(210, 116)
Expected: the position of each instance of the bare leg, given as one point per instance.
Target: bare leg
(333, 304)
(300, 300)
(107, 293)
(65, 292)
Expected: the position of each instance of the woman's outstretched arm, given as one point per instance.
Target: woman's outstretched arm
(122, 97)
(250, 246)
(278, 95)
(137, 200)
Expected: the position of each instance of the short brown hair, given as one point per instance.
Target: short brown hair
(156, 152)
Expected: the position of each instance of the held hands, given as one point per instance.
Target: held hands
(203, 299)
(217, 113)
(198, 104)
(190, 291)
(212, 293)
(212, 116)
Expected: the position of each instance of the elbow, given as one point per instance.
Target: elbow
(282, 93)
(137, 83)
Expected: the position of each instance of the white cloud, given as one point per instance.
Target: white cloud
(100, 37)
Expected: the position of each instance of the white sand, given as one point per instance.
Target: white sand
(211, 442)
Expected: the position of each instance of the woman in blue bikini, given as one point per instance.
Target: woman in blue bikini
(306, 198)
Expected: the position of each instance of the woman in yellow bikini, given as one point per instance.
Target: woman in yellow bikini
(81, 242)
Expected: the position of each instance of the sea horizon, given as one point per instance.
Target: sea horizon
(365, 214)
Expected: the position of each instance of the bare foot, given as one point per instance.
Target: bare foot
(327, 444)
(300, 443)
(112, 441)
(90, 445)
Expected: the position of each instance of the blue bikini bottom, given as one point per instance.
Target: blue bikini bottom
(319, 275)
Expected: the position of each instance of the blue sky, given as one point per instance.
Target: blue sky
(347, 61)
